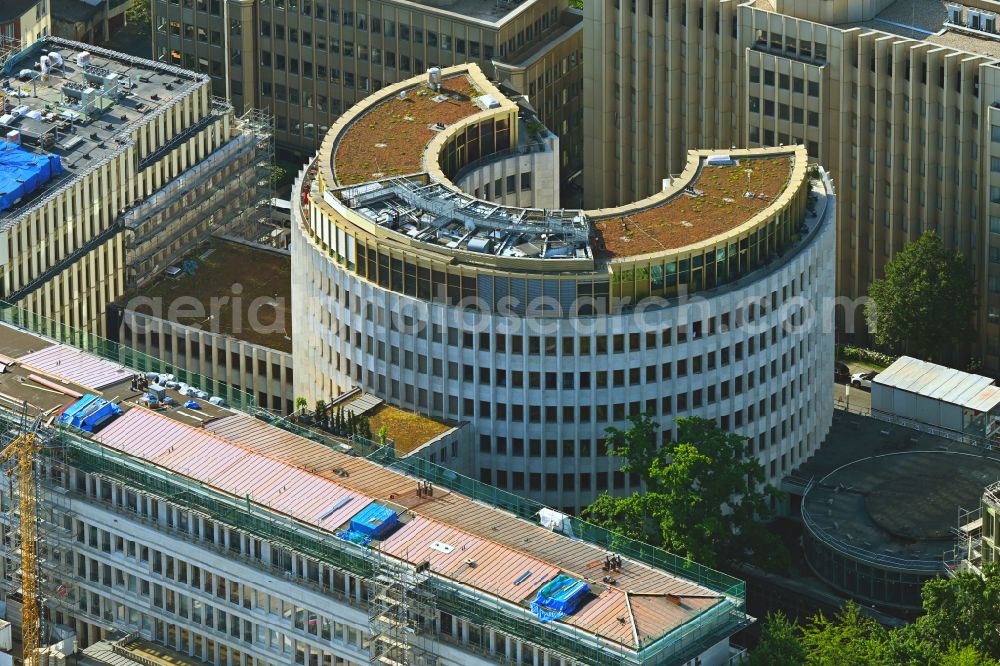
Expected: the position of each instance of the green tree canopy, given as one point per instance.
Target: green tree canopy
(963, 610)
(704, 495)
(960, 627)
(924, 304)
(138, 14)
(779, 644)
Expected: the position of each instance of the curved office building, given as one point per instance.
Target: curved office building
(485, 303)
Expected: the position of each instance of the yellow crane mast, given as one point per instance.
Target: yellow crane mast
(21, 454)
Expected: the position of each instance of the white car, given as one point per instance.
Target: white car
(863, 380)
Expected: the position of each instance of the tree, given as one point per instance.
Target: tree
(963, 610)
(704, 496)
(300, 404)
(637, 445)
(849, 638)
(925, 301)
(958, 628)
(279, 176)
(779, 644)
(137, 13)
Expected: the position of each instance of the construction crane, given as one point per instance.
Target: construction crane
(19, 455)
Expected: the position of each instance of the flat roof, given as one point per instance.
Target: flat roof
(719, 198)
(870, 503)
(12, 9)
(381, 161)
(940, 383)
(908, 18)
(219, 272)
(491, 11)
(75, 371)
(243, 456)
(961, 40)
(925, 20)
(390, 138)
(115, 93)
(569, 20)
(408, 430)
(73, 10)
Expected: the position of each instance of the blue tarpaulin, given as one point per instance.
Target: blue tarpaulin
(23, 172)
(372, 522)
(558, 598)
(89, 413)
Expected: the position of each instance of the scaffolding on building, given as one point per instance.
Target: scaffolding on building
(401, 614)
(256, 223)
(59, 580)
(50, 508)
(227, 194)
(967, 553)
(10, 46)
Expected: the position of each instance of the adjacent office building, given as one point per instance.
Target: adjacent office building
(897, 99)
(224, 539)
(90, 21)
(308, 61)
(116, 166)
(23, 21)
(427, 271)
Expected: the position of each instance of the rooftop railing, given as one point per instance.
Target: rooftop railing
(123, 355)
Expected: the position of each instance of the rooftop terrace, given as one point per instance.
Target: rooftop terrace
(381, 150)
(390, 138)
(407, 430)
(82, 109)
(235, 458)
(251, 287)
(719, 199)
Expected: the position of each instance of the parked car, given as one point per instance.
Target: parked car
(841, 373)
(863, 380)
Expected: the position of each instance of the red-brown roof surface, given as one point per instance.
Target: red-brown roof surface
(302, 479)
(683, 220)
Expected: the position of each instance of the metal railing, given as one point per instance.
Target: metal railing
(971, 439)
(115, 352)
(863, 554)
(528, 510)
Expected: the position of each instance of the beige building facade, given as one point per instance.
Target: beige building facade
(308, 61)
(897, 101)
(22, 22)
(139, 182)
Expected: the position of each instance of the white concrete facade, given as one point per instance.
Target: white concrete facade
(529, 177)
(541, 391)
